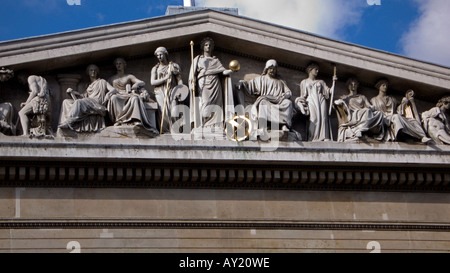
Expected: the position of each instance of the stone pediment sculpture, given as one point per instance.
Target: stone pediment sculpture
(35, 115)
(155, 97)
(357, 117)
(273, 102)
(169, 90)
(314, 94)
(436, 122)
(209, 81)
(132, 104)
(98, 137)
(105, 182)
(402, 119)
(85, 112)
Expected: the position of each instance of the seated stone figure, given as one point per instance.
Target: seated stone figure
(273, 104)
(357, 117)
(6, 119)
(35, 116)
(85, 113)
(129, 106)
(436, 123)
(404, 122)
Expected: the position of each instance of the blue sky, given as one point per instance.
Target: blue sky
(396, 26)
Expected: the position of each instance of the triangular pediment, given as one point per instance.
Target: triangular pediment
(62, 59)
(240, 36)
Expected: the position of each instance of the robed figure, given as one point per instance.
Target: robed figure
(128, 106)
(312, 102)
(213, 93)
(165, 78)
(273, 104)
(436, 122)
(7, 126)
(85, 113)
(402, 119)
(357, 117)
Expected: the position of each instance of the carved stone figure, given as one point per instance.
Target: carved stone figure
(35, 116)
(7, 126)
(206, 77)
(6, 74)
(312, 102)
(357, 117)
(403, 120)
(128, 106)
(85, 113)
(169, 89)
(436, 122)
(273, 102)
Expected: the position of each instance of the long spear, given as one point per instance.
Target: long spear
(193, 84)
(332, 91)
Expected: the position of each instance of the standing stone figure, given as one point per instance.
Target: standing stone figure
(357, 117)
(403, 119)
(128, 105)
(6, 119)
(436, 122)
(165, 76)
(85, 113)
(207, 74)
(37, 107)
(273, 102)
(312, 102)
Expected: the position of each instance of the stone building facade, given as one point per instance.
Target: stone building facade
(122, 190)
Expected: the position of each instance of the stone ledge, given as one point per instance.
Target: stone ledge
(182, 148)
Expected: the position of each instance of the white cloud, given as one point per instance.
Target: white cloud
(428, 38)
(327, 18)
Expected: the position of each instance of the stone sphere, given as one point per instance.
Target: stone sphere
(235, 65)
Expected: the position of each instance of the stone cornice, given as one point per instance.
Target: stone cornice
(183, 148)
(180, 224)
(168, 163)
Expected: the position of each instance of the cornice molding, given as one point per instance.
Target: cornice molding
(276, 225)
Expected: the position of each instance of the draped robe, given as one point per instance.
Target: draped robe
(213, 91)
(86, 114)
(398, 123)
(273, 103)
(127, 107)
(316, 92)
(361, 119)
(160, 95)
(437, 125)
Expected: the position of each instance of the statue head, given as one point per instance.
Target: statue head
(6, 74)
(271, 68)
(382, 85)
(120, 63)
(92, 70)
(352, 85)
(161, 52)
(444, 103)
(206, 41)
(311, 67)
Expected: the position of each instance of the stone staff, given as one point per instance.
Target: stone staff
(332, 90)
(193, 84)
